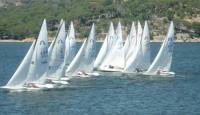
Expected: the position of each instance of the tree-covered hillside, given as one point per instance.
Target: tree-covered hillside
(23, 17)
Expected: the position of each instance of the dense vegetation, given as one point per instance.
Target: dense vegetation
(26, 18)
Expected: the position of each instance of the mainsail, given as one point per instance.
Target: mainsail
(129, 45)
(144, 61)
(108, 44)
(116, 57)
(70, 45)
(21, 73)
(56, 53)
(83, 61)
(163, 60)
(39, 61)
(132, 63)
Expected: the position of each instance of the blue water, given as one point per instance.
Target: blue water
(109, 95)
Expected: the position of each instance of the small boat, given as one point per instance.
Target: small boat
(140, 61)
(32, 71)
(37, 72)
(70, 53)
(113, 58)
(133, 61)
(108, 44)
(56, 55)
(82, 64)
(18, 78)
(162, 62)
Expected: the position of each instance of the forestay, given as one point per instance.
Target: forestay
(163, 60)
(83, 61)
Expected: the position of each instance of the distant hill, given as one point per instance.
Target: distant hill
(22, 18)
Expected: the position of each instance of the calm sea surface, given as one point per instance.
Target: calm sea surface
(109, 95)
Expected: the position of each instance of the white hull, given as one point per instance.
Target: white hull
(57, 81)
(132, 73)
(65, 78)
(162, 74)
(110, 70)
(40, 86)
(62, 82)
(81, 74)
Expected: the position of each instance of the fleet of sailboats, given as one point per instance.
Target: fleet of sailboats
(46, 67)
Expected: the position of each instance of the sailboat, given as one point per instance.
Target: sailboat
(162, 62)
(32, 70)
(116, 61)
(134, 59)
(141, 61)
(56, 56)
(70, 53)
(16, 81)
(82, 64)
(56, 52)
(37, 72)
(108, 44)
(113, 60)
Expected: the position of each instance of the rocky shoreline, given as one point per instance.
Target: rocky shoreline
(179, 38)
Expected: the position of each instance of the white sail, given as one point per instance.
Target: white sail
(108, 44)
(70, 46)
(83, 61)
(132, 63)
(39, 61)
(116, 57)
(56, 54)
(52, 43)
(129, 45)
(144, 61)
(163, 60)
(21, 73)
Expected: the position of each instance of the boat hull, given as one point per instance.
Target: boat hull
(166, 74)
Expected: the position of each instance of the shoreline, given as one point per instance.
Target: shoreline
(79, 40)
